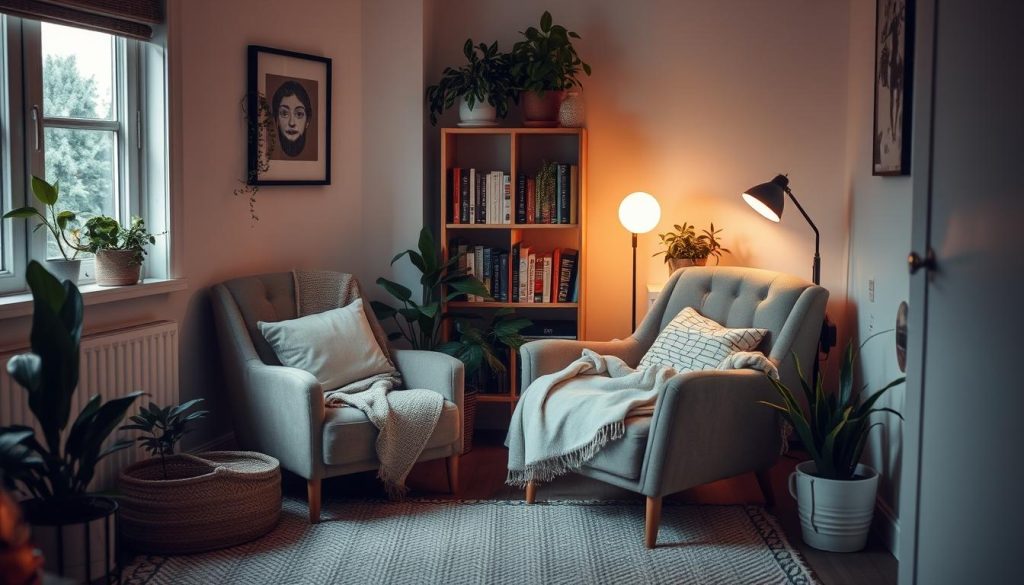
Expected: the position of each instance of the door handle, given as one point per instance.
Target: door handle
(915, 262)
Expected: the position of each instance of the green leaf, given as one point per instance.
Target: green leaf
(24, 213)
(44, 192)
(394, 289)
(545, 21)
(383, 311)
(427, 251)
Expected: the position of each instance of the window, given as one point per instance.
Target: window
(74, 102)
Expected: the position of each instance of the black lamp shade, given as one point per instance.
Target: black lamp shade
(769, 198)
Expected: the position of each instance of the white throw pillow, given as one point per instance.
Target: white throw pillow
(692, 342)
(336, 346)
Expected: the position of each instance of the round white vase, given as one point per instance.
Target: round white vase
(481, 114)
(835, 515)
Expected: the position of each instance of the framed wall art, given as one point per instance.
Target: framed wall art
(289, 110)
(894, 45)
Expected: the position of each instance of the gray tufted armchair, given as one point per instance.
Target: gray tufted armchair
(280, 411)
(706, 425)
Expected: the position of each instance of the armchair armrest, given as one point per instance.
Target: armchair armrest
(432, 370)
(546, 356)
(284, 414)
(708, 426)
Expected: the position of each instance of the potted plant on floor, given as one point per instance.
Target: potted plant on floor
(834, 491)
(55, 470)
(119, 251)
(477, 342)
(57, 223)
(544, 64)
(483, 87)
(685, 247)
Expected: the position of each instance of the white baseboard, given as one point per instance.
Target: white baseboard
(887, 527)
(225, 442)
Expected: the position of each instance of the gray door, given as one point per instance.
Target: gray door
(962, 515)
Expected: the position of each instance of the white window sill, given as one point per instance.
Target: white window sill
(20, 305)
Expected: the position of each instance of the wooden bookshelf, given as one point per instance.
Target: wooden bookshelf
(517, 151)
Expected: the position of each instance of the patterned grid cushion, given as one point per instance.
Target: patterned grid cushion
(692, 342)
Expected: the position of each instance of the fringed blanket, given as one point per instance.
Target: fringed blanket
(405, 420)
(564, 419)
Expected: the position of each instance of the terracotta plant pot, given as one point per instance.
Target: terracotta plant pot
(677, 263)
(117, 267)
(541, 111)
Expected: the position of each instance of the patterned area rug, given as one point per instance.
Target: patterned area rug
(472, 542)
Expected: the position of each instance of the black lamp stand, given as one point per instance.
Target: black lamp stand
(633, 314)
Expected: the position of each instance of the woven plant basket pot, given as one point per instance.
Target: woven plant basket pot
(214, 500)
(117, 267)
(469, 400)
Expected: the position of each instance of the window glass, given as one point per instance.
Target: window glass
(78, 73)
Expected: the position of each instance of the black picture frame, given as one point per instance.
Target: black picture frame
(311, 163)
(893, 85)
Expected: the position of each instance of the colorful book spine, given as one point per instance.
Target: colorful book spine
(454, 207)
(556, 258)
(514, 261)
(464, 197)
(521, 198)
(546, 281)
(503, 277)
(524, 275)
(506, 192)
(533, 288)
(574, 194)
(563, 194)
(531, 201)
(472, 195)
(566, 275)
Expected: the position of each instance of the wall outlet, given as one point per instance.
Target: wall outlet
(871, 290)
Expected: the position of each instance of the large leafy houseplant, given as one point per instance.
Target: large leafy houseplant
(56, 221)
(686, 244)
(485, 78)
(545, 59)
(59, 466)
(420, 323)
(106, 233)
(833, 427)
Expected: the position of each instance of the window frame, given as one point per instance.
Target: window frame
(141, 170)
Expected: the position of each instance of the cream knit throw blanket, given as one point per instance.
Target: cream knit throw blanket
(564, 419)
(405, 419)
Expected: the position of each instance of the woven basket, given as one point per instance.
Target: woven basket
(469, 400)
(117, 267)
(211, 501)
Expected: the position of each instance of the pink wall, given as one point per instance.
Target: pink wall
(693, 101)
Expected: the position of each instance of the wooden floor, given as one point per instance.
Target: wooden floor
(483, 473)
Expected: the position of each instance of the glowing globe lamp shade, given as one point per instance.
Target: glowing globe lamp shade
(639, 212)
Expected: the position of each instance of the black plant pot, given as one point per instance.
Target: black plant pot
(78, 536)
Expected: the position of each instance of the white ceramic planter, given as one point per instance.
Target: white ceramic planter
(834, 515)
(481, 114)
(64, 269)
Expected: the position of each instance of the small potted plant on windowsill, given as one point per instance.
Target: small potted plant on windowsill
(483, 87)
(57, 223)
(685, 247)
(119, 251)
(544, 64)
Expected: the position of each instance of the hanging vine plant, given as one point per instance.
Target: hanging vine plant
(259, 127)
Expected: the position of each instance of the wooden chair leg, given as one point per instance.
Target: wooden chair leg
(764, 481)
(652, 522)
(531, 492)
(453, 473)
(313, 493)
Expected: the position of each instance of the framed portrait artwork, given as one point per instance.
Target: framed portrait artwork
(289, 110)
(894, 45)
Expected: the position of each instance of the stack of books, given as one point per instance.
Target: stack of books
(490, 266)
(558, 204)
(480, 197)
(544, 277)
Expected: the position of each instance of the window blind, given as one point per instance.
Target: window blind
(129, 18)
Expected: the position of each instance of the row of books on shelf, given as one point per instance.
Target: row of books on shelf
(550, 197)
(523, 275)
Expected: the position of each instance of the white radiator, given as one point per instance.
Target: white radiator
(113, 364)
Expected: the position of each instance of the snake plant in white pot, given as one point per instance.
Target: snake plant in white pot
(835, 493)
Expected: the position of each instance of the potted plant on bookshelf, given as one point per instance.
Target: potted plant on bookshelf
(483, 87)
(685, 247)
(835, 493)
(55, 470)
(119, 250)
(544, 64)
(57, 223)
(419, 324)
